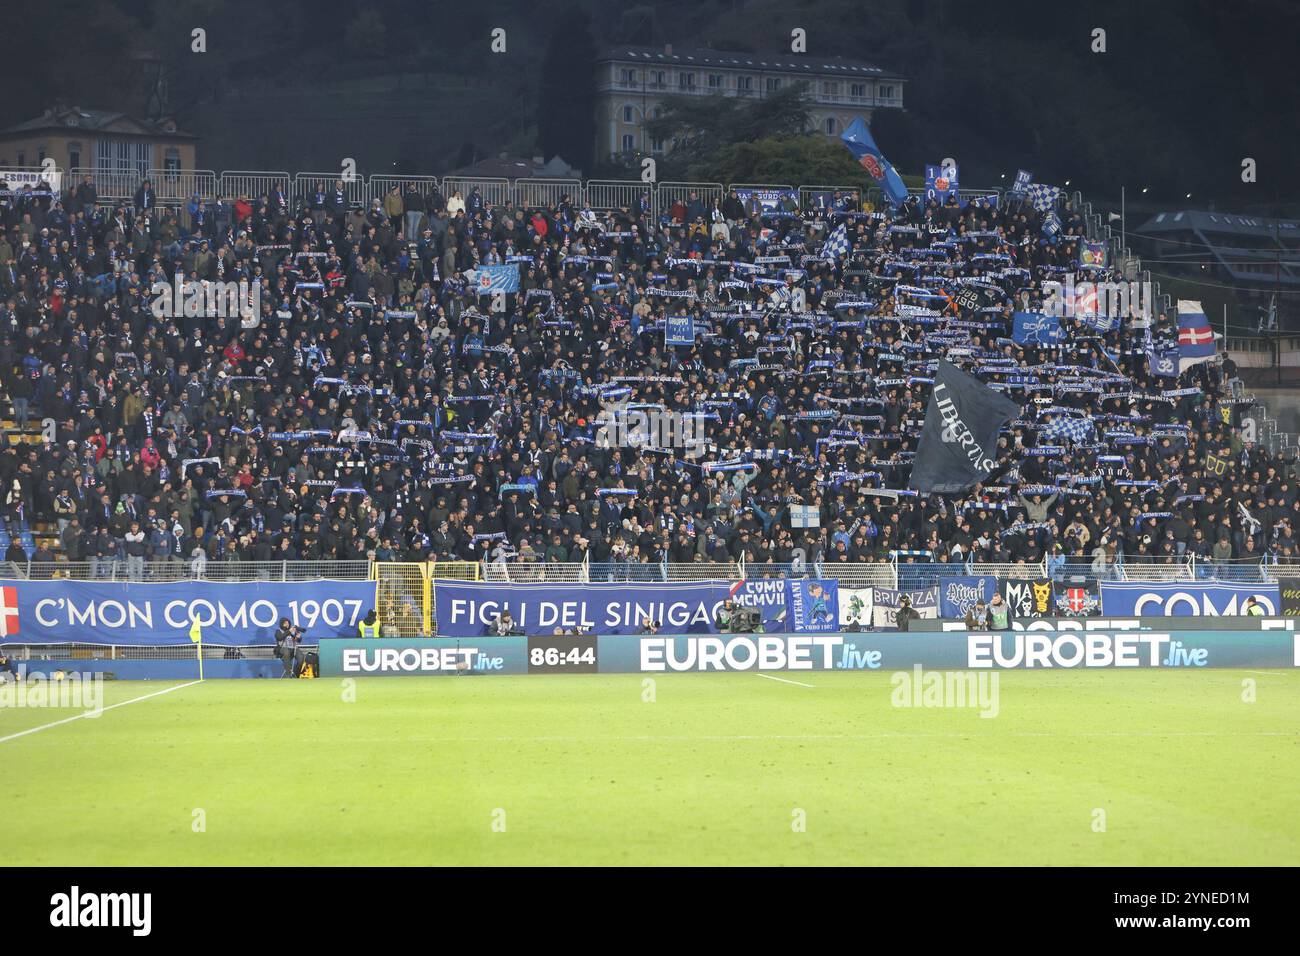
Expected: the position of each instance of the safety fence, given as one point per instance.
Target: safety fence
(406, 579)
(174, 187)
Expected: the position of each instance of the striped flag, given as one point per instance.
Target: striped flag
(1195, 337)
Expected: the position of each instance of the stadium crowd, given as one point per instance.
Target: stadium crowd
(378, 408)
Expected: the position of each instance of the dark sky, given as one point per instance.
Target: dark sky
(1184, 92)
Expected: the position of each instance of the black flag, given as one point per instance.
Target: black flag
(959, 440)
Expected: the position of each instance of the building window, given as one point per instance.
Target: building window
(773, 84)
(22, 159)
(627, 114)
(831, 89)
(858, 90)
(660, 79)
(886, 92)
(172, 161)
(715, 81)
(686, 81)
(629, 76)
(74, 155)
(744, 83)
(629, 142)
(40, 156)
(656, 145)
(831, 125)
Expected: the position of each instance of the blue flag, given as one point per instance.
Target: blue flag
(1035, 328)
(498, 279)
(679, 330)
(864, 149)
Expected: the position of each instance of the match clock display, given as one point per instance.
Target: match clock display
(568, 654)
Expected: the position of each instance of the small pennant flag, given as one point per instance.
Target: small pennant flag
(196, 631)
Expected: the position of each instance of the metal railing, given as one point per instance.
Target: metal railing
(254, 183)
(545, 193)
(171, 570)
(181, 185)
(381, 186)
(606, 195)
(495, 192)
(304, 184)
(668, 193)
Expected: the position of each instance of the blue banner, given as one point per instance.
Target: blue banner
(769, 200)
(812, 607)
(470, 608)
(958, 595)
(938, 186)
(679, 330)
(498, 279)
(1035, 328)
(1181, 598)
(92, 612)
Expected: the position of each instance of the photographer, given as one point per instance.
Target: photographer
(906, 613)
(287, 639)
(722, 620)
(504, 626)
(977, 618)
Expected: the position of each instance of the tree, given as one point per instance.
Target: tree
(807, 159)
(566, 109)
(700, 128)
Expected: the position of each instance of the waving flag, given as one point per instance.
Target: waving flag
(1195, 337)
(959, 440)
(864, 149)
(836, 244)
(498, 279)
(1041, 196)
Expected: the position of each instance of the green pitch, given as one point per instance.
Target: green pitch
(715, 769)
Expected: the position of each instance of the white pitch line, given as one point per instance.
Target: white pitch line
(782, 680)
(885, 736)
(87, 713)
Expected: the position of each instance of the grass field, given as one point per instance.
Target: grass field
(416, 771)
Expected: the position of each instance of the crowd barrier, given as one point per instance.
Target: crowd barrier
(178, 187)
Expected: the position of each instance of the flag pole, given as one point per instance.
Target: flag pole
(196, 635)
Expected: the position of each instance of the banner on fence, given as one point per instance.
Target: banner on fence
(469, 609)
(958, 595)
(95, 612)
(1028, 598)
(857, 608)
(1077, 598)
(812, 606)
(925, 602)
(1176, 625)
(1136, 598)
